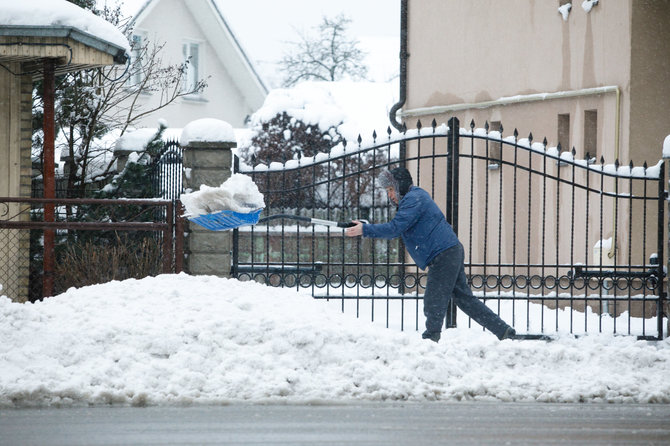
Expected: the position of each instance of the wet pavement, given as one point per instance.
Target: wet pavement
(467, 423)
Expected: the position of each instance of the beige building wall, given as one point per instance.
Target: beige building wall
(522, 47)
(605, 71)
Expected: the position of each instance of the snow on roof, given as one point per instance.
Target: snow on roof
(60, 13)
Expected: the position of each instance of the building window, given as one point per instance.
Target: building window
(137, 49)
(191, 53)
(495, 147)
(564, 131)
(591, 133)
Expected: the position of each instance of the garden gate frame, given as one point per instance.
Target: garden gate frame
(573, 239)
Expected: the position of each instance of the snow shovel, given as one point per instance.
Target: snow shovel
(226, 219)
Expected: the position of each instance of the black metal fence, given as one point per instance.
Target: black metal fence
(166, 176)
(553, 243)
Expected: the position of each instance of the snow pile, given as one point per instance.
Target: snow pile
(208, 130)
(178, 339)
(238, 193)
(61, 13)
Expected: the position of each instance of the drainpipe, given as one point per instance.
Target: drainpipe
(392, 114)
(612, 251)
(403, 73)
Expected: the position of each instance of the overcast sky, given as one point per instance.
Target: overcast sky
(264, 28)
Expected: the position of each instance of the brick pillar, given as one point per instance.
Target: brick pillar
(207, 162)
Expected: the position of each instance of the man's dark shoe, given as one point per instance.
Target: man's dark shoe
(510, 333)
(435, 337)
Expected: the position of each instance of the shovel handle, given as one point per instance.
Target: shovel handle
(349, 224)
(314, 221)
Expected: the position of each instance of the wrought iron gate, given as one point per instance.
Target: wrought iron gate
(554, 242)
(166, 176)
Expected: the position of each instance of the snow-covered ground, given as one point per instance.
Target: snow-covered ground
(180, 339)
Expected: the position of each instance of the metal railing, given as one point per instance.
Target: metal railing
(83, 229)
(555, 242)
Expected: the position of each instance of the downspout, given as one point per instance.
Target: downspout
(617, 125)
(394, 110)
(403, 73)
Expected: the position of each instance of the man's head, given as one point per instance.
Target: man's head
(397, 183)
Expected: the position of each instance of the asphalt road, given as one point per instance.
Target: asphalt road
(471, 423)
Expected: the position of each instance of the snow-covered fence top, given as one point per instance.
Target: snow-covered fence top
(342, 150)
(395, 137)
(567, 157)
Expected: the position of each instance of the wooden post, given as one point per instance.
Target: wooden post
(49, 176)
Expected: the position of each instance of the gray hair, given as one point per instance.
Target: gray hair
(386, 179)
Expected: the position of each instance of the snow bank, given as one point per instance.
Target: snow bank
(178, 339)
(238, 193)
(61, 13)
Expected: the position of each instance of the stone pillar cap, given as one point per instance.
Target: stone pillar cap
(208, 132)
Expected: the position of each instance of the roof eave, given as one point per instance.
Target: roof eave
(118, 54)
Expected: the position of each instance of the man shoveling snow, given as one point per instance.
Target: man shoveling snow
(432, 243)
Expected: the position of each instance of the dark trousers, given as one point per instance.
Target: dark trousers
(447, 280)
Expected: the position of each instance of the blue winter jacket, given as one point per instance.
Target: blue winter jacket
(421, 224)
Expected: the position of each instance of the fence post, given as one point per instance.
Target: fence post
(179, 238)
(236, 231)
(662, 295)
(207, 161)
(49, 177)
(452, 198)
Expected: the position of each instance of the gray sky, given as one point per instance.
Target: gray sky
(264, 27)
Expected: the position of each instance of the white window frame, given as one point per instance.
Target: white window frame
(136, 79)
(194, 70)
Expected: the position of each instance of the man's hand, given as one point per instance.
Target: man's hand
(354, 231)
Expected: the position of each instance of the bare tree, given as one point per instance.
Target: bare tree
(328, 56)
(93, 103)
